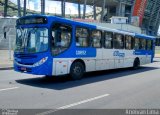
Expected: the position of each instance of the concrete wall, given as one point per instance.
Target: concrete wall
(7, 25)
(118, 21)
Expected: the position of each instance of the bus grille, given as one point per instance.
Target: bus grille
(25, 63)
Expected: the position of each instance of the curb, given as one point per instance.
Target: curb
(6, 68)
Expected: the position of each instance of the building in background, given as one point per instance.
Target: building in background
(151, 20)
(141, 13)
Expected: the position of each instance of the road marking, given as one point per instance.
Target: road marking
(84, 101)
(74, 104)
(9, 88)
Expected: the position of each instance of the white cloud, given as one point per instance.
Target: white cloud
(54, 6)
(71, 8)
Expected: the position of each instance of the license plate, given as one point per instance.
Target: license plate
(23, 68)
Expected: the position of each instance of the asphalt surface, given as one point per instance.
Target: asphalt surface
(113, 89)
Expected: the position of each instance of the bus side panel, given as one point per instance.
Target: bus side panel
(108, 58)
(90, 64)
(145, 56)
(129, 58)
(62, 66)
(148, 59)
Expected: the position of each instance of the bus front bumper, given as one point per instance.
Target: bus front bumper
(36, 69)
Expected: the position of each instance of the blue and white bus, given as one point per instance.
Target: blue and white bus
(53, 46)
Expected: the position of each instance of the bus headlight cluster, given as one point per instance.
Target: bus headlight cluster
(43, 60)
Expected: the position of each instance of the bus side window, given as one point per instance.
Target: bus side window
(136, 46)
(82, 37)
(149, 45)
(142, 44)
(118, 41)
(108, 43)
(128, 43)
(157, 41)
(61, 38)
(96, 38)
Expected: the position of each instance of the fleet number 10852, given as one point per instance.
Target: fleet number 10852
(81, 52)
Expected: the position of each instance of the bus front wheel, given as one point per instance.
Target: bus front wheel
(77, 70)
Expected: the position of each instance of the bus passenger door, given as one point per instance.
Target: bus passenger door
(96, 42)
(119, 52)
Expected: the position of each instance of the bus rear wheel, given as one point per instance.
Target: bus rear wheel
(77, 70)
(136, 64)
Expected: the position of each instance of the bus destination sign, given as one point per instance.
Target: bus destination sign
(32, 20)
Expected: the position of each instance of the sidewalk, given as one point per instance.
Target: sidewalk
(5, 62)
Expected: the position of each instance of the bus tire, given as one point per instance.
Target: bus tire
(136, 63)
(77, 70)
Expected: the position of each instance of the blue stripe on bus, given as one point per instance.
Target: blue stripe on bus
(143, 52)
(145, 36)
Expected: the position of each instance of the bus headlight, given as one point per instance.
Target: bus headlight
(42, 61)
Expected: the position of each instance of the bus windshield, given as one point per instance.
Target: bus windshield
(31, 40)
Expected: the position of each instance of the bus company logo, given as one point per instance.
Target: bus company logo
(118, 54)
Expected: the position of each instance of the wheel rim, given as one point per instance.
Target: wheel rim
(77, 70)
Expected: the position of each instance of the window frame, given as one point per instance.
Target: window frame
(123, 39)
(88, 40)
(135, 43)
(50, 36)
(132, 42)
(151, 48)
(112, 35)
(141, 44)
(101, 39)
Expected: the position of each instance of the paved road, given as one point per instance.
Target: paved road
(115, 89)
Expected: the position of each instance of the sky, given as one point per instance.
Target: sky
(53, 6)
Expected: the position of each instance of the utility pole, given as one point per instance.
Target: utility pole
(79, 9)
(84, 9)
(19, 8)
(103, 8)
(94, 10)
(5, 8)
(24, 8)
(42, 6)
